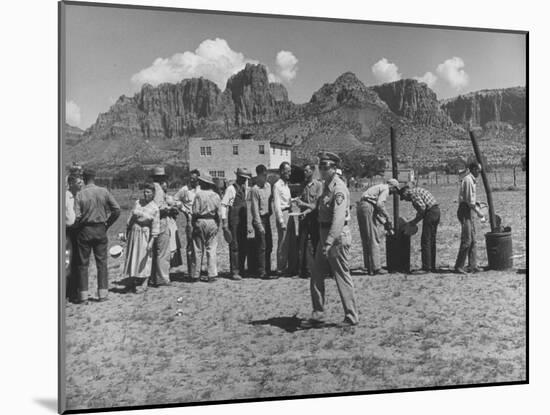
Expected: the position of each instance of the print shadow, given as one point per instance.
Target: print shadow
(48, 403)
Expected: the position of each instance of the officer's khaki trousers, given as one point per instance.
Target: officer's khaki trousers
(338, 262)
(370, 230)
(205, 244)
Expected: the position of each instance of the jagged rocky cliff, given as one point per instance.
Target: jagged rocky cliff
(155, 124)
(488, 106)
(413, 100)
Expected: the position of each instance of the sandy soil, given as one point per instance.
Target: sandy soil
(243, 340)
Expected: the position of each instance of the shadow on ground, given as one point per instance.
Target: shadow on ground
(290, 324)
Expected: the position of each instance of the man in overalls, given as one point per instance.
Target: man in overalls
(234, 221)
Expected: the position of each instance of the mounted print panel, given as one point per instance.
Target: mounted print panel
(261, 207)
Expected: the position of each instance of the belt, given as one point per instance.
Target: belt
(205, 217)
(326, 225)
(432, 206)
(265, 216)
(93, 224)
(285, 209)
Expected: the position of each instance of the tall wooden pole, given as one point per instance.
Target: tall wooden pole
(395, 174)
(492, 219)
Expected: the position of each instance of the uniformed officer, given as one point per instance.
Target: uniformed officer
(333, 250)
(205, 221)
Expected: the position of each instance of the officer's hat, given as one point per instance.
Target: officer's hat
(328, 158)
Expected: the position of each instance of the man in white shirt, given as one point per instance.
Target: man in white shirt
(184, 201)
(467, 204)
(281, 207)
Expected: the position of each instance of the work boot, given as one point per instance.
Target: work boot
(460, 270)
(346, 323)
(236, 277)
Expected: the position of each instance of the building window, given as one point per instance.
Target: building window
(217, 173)
(203, 151)
(206, 151)
(261, 149)
(235, 150)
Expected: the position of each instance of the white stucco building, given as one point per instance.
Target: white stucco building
(221, 157)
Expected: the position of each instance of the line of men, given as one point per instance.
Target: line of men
(244, 213)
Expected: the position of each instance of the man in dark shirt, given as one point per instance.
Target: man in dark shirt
(309, 226)
(96, 210)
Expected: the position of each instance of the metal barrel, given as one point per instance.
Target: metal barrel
(398, 253)
(499, 250)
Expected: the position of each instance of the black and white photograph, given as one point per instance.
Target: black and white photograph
(258, 207)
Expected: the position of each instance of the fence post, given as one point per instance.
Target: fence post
(514, 176)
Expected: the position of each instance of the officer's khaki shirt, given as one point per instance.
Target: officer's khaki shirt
(334, 206)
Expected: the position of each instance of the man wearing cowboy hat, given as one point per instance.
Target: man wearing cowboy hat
(235, 221)
(427, 210)
(205, 221)
(371, 216)
(160, 268)
(333, 251)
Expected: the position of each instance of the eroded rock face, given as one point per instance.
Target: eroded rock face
(343, 116)
(182, 109)
(486, 106)
(413, 100)
(253, 100)
(348, 90)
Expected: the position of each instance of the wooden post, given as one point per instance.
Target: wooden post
(395, 174)
(488, 191)
(514, 176)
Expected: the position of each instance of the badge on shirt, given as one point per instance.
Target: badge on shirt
(339, 198)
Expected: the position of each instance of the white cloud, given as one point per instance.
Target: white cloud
(452, 71)
(428, 78)
(385, 71)
(72, 113)
(287, 67)
(214, 60)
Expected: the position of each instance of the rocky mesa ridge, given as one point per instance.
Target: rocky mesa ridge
(344, 115)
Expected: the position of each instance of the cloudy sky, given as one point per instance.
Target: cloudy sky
(111, 52)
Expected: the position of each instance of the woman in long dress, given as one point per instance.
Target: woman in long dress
(143, 228)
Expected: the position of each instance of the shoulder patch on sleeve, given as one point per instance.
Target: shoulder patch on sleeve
(339, 198)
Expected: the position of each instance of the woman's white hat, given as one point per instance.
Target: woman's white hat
(115, 251)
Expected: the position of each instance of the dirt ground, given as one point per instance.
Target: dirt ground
(242, 339)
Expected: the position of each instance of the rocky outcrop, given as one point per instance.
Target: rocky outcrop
(413, 100)
(347, 90)
(155, 124)
(72, 134)
(488, 106)
(188, 107)
(253, 100)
